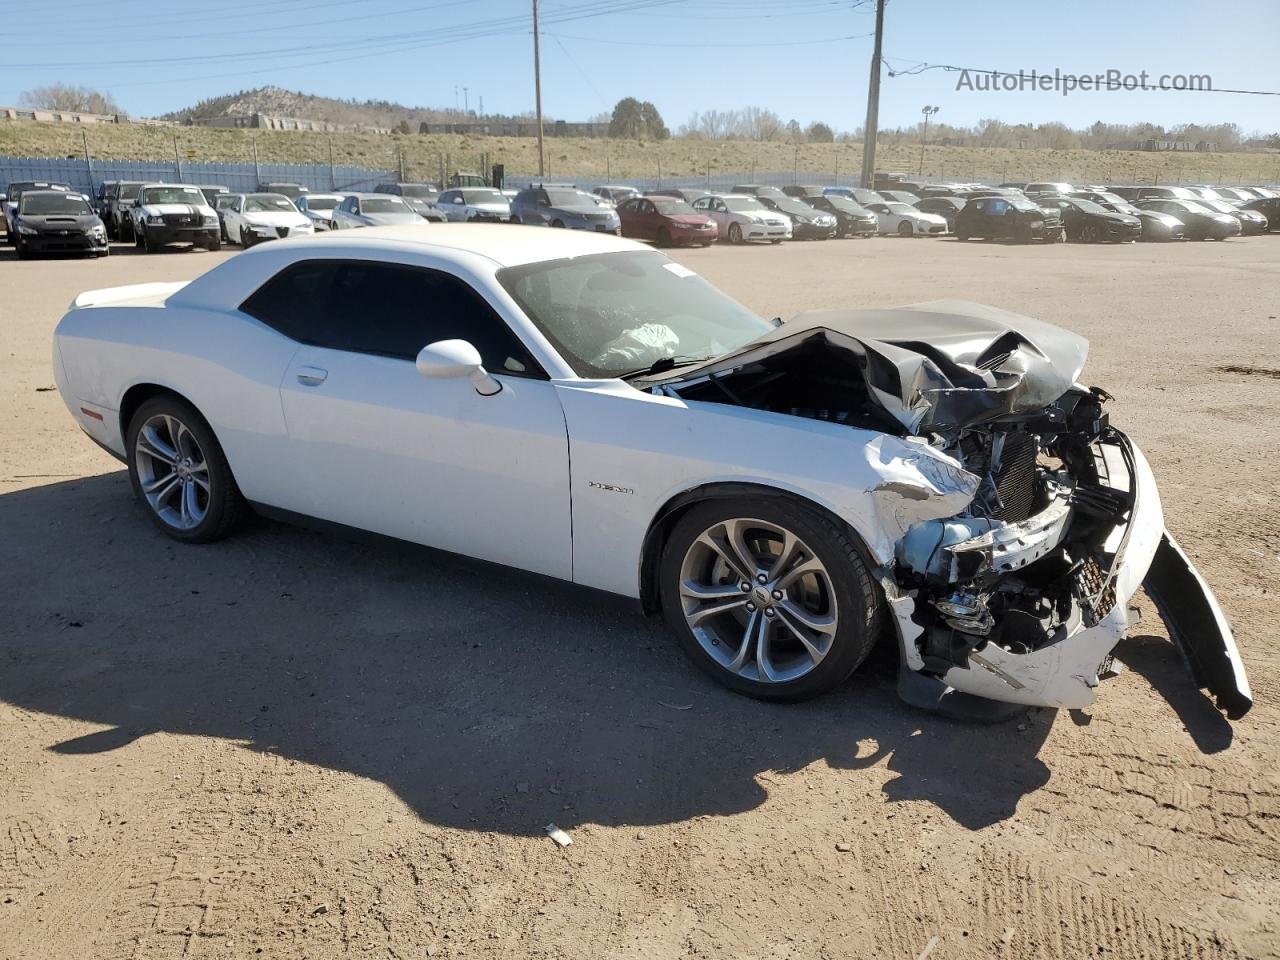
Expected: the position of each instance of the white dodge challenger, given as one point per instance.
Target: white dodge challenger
(583, 407)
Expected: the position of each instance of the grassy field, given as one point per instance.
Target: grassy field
(424, 155)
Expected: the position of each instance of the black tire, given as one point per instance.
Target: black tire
(126, 231)
(664, 237)
(514, 220)
(225, 507)
(735, 233)
(148, 243)
(776, 242)
(214, 245)
(558, 224)
(246, 239)
(962, 235)
(1088, 233)
(906, 230)
(21, 249)
(1022, 234)
(853, 593)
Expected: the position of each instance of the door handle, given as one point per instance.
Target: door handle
(311, 376)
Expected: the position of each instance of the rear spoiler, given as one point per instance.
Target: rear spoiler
(137, 294)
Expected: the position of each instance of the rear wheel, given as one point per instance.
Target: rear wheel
(735, 233)
(664, 237)
(905, 229)
(558, 224)
(768, 596)
(1088, 233)
(178, 470)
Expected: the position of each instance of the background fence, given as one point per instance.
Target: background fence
(239, 177)
(85, 175)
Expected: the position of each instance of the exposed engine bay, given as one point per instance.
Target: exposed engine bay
(1032, 579)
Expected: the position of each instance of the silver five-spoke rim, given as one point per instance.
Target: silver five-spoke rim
(172, 472)
(759, 601)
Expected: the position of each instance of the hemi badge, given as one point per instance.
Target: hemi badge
(91, 413)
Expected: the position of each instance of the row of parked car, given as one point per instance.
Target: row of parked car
(51, 217)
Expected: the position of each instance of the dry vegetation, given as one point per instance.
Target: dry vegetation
(622, 159)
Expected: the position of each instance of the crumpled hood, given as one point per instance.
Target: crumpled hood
(933, 366)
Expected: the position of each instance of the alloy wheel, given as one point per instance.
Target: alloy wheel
(172, 472)
(758, 600)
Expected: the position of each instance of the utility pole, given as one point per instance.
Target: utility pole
(871, 128)
(924, 136)
(537, 93)
(466, 100)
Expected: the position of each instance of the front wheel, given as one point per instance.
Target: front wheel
(149, 243)
(735, 233)
(1088, 233)
(558, 224)
(769, 597)
(664, 237)
(905, 229)
(177, 468)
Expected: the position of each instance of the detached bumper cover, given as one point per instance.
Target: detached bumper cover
(1198, 627)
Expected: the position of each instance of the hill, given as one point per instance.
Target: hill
(287, 103)
(683, 160)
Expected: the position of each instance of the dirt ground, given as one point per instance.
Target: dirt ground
(287, 745)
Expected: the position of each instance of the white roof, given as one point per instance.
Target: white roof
(506, 245)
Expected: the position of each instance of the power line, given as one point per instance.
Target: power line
(665, 43)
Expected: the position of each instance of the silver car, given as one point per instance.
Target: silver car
(475, 205)
(372, 210)
(319, 207)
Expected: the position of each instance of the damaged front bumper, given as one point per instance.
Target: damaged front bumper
(1062, 668)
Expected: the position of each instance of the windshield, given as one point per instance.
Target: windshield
(570, 198)
(896, 207)
(844, 205)
(173, 195)
(483, 196)
(16, 190)
(1088, 206)
(1021, 203)
(1220, 206)
(1193, 206)
(44, 204)
(743, 204)
(321, 203)
(611, 314)
(268, 203)
(793, 207)
(673, 208)
(421, 190)
(383, 205)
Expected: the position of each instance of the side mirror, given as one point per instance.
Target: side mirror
(3, 197)
(454, 359)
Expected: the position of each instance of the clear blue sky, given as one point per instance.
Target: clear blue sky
(684, 55)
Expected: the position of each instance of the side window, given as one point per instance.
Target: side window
(997, 207)
(293, 301)
(385, 309)
(702, 203)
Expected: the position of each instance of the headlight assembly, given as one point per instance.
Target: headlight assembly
(155, 219)
(25, 230)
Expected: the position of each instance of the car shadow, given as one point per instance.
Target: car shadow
(1150, 657)
(485, 698)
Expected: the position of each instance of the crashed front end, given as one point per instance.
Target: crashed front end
(1021, 596)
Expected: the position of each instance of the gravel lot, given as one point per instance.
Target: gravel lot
(287, 745)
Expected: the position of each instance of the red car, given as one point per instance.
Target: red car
(666, 221)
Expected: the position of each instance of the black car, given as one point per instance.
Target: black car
(807, 223)
(687, 194)
(756, 190)
(1008, 218)
(1201, 222)
(852, 220)
(1251, 221)
(1089, 222)
(802, 191)
(1269, 207)
(119, 200)
(9, 200)
(212, 192)
(57, 221)
(947, 207)
(1156, 226)
(291, 190)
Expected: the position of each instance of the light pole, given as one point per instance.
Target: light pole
(924, 136)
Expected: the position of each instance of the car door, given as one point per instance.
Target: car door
(380, 447)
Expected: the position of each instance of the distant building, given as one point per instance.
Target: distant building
(264, 121)
(518, 128)
(71, 116)
(1167, 146)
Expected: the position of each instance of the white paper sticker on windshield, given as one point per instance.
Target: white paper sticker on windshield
(680, 270)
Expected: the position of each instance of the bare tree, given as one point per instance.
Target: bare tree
(62, 96)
